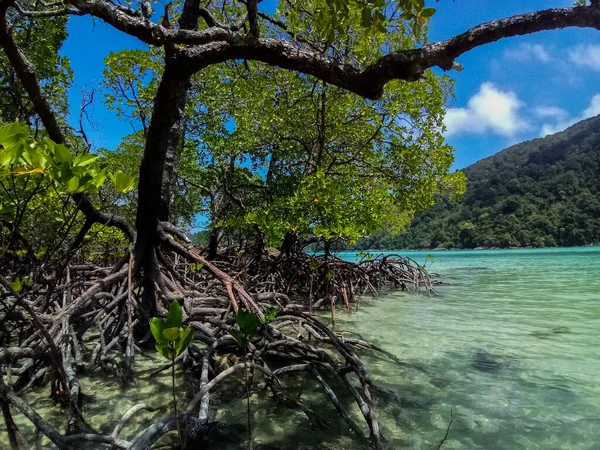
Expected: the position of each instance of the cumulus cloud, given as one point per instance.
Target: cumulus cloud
(491, 110)
(586, 56)
(528, 52)
(562, 120)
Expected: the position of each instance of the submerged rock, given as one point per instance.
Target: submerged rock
(485, 361)
(440, 383)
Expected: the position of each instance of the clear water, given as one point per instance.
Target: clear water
(510, 346)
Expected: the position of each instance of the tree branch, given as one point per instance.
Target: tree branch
(252, 7)
(63, 11)
(211, 21)
(216, 44)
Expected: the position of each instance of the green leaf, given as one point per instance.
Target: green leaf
(99, 179)
(365, 18)
(172, 334)
(157, 326)
(164, 349)
(62, 154)
(196, 267)
(184, 340)
(248, 322)
(17, 285)
(175, 315)
(270, 314)
(428, 12)
(123, 183)
(13, 134)
(84, 160)
(73, 184)
(238, 336)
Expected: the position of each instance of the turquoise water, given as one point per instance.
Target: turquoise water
(511, 347)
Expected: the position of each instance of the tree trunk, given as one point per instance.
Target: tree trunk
(289, 241)
(213, 243)
(327, 248)
(157, 171)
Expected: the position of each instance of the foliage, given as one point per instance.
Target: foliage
(317, 161)
(37, 176)
(250, 324)
(171, 339)
(40, 41)
(334, 19)
(267, 152)
(540, 193)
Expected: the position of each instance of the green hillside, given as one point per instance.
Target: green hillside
(540, 193)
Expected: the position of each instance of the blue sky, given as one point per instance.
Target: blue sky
(513, 90)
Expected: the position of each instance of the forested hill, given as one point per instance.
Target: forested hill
(544, 192)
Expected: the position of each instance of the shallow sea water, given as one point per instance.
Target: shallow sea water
(510, 346)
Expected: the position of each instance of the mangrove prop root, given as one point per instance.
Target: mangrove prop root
(43, 328)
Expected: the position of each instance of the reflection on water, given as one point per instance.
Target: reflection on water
(510, 347)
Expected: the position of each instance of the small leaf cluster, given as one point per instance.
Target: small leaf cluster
(196, 267)
(250, 324)
(171, 338)
(19, 283)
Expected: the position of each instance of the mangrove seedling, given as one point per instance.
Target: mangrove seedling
(249, 326)
(171, 341)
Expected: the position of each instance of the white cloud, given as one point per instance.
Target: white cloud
(528, 52)
(490, 110)
(562, 120)
(593, 109)
(551, 112)
(586, 56)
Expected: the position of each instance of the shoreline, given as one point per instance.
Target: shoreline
(441, 249)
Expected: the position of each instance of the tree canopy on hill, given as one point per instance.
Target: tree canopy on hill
(540, 193)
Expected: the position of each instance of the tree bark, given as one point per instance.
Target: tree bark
(161, 154)
(157, 170)
(213, 243)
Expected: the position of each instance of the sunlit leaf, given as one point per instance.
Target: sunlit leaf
(171, 334)
(25, 171)
(73, 184)
(157, 326)
(62, 154)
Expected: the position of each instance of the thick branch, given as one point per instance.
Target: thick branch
(93, 215)
(216, 44)
(62, 11)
